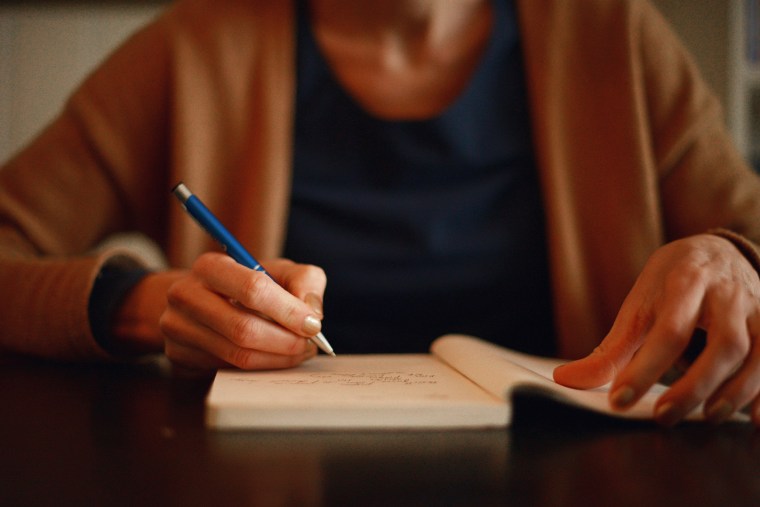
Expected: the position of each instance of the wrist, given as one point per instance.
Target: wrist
(745, 246)
(135, 323)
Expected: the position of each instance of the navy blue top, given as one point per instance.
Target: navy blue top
(424, 227)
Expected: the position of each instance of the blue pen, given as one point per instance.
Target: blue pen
(232, 246)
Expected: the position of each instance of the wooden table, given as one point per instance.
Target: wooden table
(133, 435)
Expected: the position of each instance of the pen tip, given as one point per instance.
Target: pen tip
(323, 344)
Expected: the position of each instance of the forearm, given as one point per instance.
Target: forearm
(46, 310)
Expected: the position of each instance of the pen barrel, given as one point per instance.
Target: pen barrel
(216, 229)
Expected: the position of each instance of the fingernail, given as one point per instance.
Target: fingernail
(719, 411)
(311, 325)
(623, 397)
(315, 302)
(667, 414)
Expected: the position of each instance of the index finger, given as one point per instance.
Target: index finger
(663, 344)
(258, 292)
(305, 281)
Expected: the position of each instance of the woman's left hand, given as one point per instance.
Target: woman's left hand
(700, 282)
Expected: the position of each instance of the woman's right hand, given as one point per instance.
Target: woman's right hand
(223, 314)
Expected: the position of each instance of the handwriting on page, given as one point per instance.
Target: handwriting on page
(353, 379)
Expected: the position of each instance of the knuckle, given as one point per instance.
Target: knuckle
(674, 331)
(296, 347)
(291, 316)
(734, 348)
(166, 324)
(293, 361)
(177, 295)
(256, 289)
(202, 263)
(207, 261)
(307, 277)
(315, 273)
(640, 322)
(241, 357)
(688, 276)
(244, 330)
(170, 326)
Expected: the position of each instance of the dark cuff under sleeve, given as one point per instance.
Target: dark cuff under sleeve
(111, 286)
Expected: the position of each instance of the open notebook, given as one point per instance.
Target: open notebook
(463, 383)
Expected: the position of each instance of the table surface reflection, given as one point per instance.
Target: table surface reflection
(133, 435)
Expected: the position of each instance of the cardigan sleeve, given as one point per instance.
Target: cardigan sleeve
(97, 169)
(202, 94)
(705, 184)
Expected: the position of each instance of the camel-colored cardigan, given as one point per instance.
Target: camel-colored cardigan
(630, 144)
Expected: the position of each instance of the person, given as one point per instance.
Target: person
(552, 176)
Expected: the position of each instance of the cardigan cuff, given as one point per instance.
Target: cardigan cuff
(745, 246)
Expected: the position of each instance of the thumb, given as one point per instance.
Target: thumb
(594, 370)
(605, 361)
